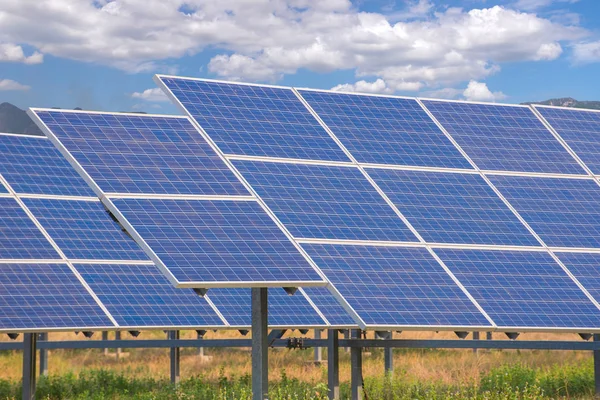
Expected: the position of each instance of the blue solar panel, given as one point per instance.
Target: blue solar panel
(580, 129)
(329, 306)
(216, 241)
(395, 286)
(284, 310)
(508, 138)
(127, 153)
(3, 189)
(452, 208)
(564, 212)
(33, 165)
(586, 268)
(522, 289)
(140, 296)
(385, 130)
(84, 230)
(255, 120)
(46, 296)
(324, 202)
(19, 237)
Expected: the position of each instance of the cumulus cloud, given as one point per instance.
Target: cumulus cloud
(587, 52)
(154, 95)
(377, 86)
(478, 91)
(12, 52)
(265, 40)
(8, 84)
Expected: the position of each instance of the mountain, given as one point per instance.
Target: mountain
(568, 102)
(15, 120)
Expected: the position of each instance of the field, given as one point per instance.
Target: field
(418, 374)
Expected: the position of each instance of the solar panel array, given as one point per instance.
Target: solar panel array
(66, 265)
(420, 213)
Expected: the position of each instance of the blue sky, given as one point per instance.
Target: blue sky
(101, 54)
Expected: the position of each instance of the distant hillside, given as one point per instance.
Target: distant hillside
(568, 102)
(15, 120)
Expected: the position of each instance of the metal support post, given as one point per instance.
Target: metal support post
(347, 336)
(175, 357)
(475, 337)
(356, 368)
(118, 337)
(488, 335)
(200, 349)
(333, 357)
(597, 367)
(105, 338)
(388, 360)
(318, 350)
(260, 363)
(29, 347)
(43, 355)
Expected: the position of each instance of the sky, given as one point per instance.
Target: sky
(102, 54)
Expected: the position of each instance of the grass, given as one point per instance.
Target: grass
(418, 374)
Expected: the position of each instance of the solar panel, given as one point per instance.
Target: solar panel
(253, 120)
(397, 286)
(563, 212)
(216, 242)
(284, 310)
(452, 207)
(329, 306)
(3, 189)
(580, 129)
(48, 296)
(19, 237)
(586, 268)
(503, 137)
(385, 130)
(140, 296)
(125, 153)
(31, 164)
(315, 201)
(84, 230)
(522, 289)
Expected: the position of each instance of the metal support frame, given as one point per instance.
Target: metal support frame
(356, 368)
(43, 337)
(175, 357)
(118, 338)
(29, 370)
(333, 364)
(488, 335)
(200, 336)
(475, 337)
(104, 339)
(388, 360)
(260, 360)
(597, 367)
(318, 350)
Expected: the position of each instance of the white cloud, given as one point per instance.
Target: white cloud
(377, 86)
(12, 52)
(264, 40)
(154, 94)
(445, 93)
(478, 91)
(587, 52)
(8, 84)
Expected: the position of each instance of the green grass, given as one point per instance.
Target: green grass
(510, 382)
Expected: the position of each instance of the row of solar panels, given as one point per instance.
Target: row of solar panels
(418, 214)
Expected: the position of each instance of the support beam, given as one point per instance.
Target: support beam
(174, 358)
(333, 365)
(356, 368)
(199, 336)
(118, 337)
(105, 338)
(260, 361)
(388, 360)
(43, 337)
(318, 350)
(597, 367)
(475, 337)
(29, 370)
(488, 335)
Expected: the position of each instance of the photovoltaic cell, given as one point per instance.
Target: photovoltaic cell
(255, 120)
(140, 296)
(3, 189)
(33, 165)
(127, 153)
(84, 230)
(19, 237)
(329, 306)
(521, 289)
(586, 268)
(580, 129)
(216, 241)
(507, 138)
(395, 286)
(385, 130)
(563, 212)
(452, 207)
(284, 310)
(324, 202)
(46, 296)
